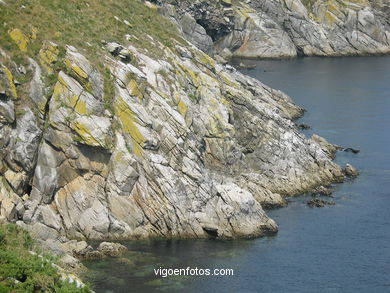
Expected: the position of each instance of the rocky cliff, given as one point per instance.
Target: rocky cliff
(284, 28)
(139, 134)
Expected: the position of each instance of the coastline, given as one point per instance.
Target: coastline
(163, 142)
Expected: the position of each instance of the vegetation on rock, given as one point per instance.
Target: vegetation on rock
(22, 270)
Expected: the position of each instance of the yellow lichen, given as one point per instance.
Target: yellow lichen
(20, 39)
(48, 55)
(217, 125)
(227, 2)
(225, 101)
(190, 74)
(330, 17)
(34, 31)
(333, 6)
(128, 119)
(81, 108)
(78, 105)
(206, 59)
(162, 94)
(244, 13)
(208, 81)
(85, 134)
(76, 102)
(133, 88)
(58, 90)
(226, 80)
(9, 79)
(76, 69)
(182, 108)
(78, 73)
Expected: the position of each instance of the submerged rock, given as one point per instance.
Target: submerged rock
(350, 171)
(303, 126)
(319, 203)
(322, 191)
(351, 150)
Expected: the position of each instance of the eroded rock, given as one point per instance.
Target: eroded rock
(350, 171)
(319, 203)
(177, 146)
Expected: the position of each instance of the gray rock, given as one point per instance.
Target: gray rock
(188, 154)
(7, 111)
(331, 149)
(25, 140)
(83, 71)
(256, 35)
(319, 203)
(114, 48)
(111, 249)
(69, 261)
(277, 29)
(36, 91)
(124, 54)
(195, 33)
(46, 174)
(350, 171)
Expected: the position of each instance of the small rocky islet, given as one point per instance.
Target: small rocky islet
(148, 133)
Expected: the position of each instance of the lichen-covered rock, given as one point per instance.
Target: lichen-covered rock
(84, 73)
(7, 111)
(198, 156)
(256, 35)
(287, 28)
(48, 55)
(20, 39)
(93, 130)
(111, 249)
(25, 140)
(37, 92)
(171, 144)
(7, 84)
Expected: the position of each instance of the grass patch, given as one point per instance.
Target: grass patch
(21, 271)
(109, 89)
(84, 24)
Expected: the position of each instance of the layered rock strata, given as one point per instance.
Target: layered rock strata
(185, 146)
(284, 28)
(166, 144)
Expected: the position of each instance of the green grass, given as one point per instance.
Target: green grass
(84, 24)
(109, 89)
(21, 271)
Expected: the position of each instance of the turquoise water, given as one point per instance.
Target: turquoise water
(341, 248)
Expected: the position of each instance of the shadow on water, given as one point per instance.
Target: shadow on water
(341, 248)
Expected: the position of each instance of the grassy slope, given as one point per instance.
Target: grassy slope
(84, 24)
(22, 271)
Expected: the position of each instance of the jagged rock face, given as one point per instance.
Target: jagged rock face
(333, 27)
(287, 28)
(201, 22)
(256, 35)
(179, 147)
(213, 16)
(193, 32)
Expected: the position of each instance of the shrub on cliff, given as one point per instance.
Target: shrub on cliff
(22, 270)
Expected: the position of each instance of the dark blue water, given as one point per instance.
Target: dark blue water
(341, 248)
